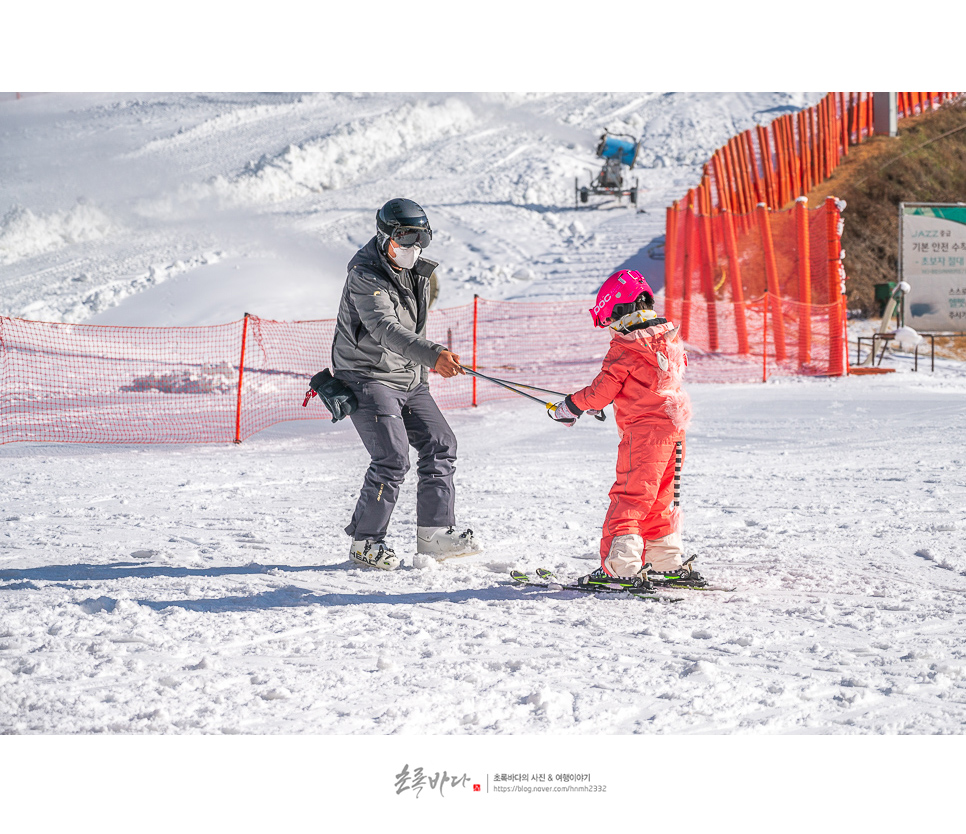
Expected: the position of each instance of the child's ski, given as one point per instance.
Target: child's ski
(549, 583)
(655, 584)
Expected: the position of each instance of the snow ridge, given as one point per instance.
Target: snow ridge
(347, 154)
(24, 234)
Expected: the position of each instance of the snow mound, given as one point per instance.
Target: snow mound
(23, 234)
(351, 151)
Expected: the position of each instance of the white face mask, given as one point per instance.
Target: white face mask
(404, 257)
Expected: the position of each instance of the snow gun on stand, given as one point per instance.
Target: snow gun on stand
(516, 386)
(617, 150)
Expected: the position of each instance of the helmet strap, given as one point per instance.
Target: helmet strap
(637, 317)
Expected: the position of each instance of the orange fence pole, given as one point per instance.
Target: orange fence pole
(734, 274)
(707, 279)
(724, 198)
(735, 168)
(670, 261)
(751, 166)
(689, 252)
(804, 283)
(779, 164)
(476, 319)
(771, 275)
(836, 355)
(822, 140)
(843, 125)
(794, 169)
(804, 150)
(241, 376)
(764, 337)
(768, 165)
(835, 128)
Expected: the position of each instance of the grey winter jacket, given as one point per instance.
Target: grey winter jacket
(381, 327)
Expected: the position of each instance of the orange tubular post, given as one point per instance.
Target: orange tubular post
(734, 273)
(707, 278)
(803, 149)
(241, 376)
(779, 164)
(670, 261)
(767, 165)
(771, 274)
(690, 254)
(733, 199)
(724, 202)
(764, 337)
(795, 186)
(835, 99)
(814, 153)
(833, 156)
(836, 323)
(759, 186)
(748, 167)
(843, 127)
(822, 142)
(798, 153)
(736, 173)
(804, 283)
(476, 319)
(787, 151)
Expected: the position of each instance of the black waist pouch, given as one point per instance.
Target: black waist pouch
(337, 396)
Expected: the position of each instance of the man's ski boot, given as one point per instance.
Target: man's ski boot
(374, 554)
(601, 580)
(445, 542)
(685, 576)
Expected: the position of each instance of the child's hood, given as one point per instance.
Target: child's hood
(652, 342)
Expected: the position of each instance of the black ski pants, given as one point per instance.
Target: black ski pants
(389, 422)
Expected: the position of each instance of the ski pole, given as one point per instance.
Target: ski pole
(599, 415)
(677, 473)
(548, 406)
(510, 387)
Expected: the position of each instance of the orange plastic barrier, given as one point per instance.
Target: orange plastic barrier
(77, 383)
(725, 241)
(774, 270)
(778, 163)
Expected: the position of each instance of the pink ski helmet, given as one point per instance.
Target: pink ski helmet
(622, 288)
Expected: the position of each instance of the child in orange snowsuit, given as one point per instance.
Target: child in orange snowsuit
(641, 375)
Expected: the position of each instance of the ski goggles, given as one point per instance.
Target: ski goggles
(411, 236)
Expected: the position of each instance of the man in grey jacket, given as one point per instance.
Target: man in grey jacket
(380, 351)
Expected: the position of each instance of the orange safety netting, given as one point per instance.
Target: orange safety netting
(76, 383)
(721, 269)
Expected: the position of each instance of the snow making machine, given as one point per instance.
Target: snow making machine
(617, 150)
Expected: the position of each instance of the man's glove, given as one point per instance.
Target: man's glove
(562, 413)
(338, 398)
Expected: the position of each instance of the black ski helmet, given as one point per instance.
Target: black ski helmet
(401, 213)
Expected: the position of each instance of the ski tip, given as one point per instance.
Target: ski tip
(518, 576)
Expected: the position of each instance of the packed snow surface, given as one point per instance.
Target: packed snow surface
(206, 589)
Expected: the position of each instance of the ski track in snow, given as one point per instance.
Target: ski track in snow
(205, 589)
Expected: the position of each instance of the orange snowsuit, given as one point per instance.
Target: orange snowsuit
(641, 375)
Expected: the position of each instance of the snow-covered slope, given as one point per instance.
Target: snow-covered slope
(104, 198)
(206, 589)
